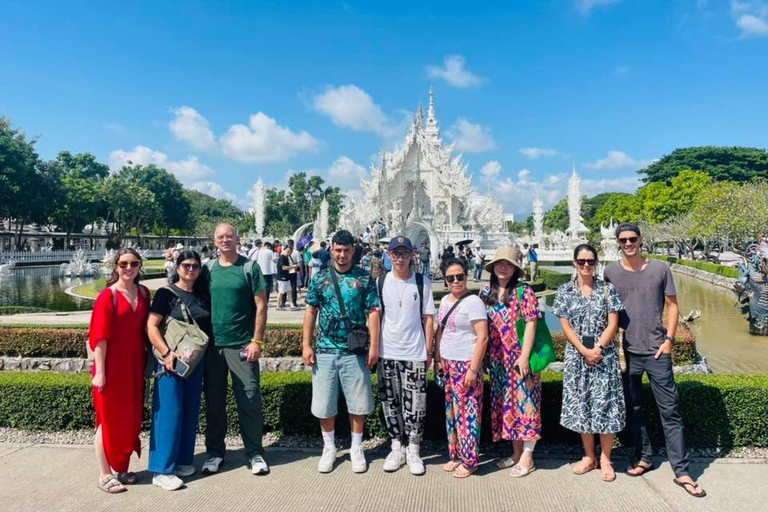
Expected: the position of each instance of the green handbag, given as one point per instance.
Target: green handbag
(185, 338)
(543, 349)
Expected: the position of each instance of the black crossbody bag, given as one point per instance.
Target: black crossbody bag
(357, 337)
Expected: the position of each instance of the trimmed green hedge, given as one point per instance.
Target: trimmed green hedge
(281, 341)
(712, 268)
(20, 310)
(553, 280)
(719, 411)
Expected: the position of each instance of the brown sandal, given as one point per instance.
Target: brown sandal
(463, 471)
(582, 467)
(111, 485)
(451, 466)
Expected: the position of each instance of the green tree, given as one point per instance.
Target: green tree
(721, 163)
(128, 206)
(173, 207)
(661, 201)
(557, 218)
(619, 207)
(287, 210)
(77, 203)
(27, 185)
(207, 211)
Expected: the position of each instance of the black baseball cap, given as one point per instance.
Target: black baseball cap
(628, 226)
(399, 241)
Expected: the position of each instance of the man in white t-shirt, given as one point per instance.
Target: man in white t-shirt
(405, 350)
(264, 257)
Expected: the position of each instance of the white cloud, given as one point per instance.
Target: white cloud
(534, 153)
(523, 175)
(470, 137)
(263, 140)
(454, 72)
(187, 170)
(345, 173)
(491, 170)
(587, 6)
(751, 18)
(215, 190)
(191, 127)
(617, 160)
(351, 107)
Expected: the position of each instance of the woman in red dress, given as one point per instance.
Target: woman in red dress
(116, 337)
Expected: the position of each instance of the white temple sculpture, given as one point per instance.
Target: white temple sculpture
(259, 195)
(608, 243)
(423, 190)
(577, 231)
(321, 224)
(538, 221)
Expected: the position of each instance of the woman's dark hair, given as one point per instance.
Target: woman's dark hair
(451, 262)
(343, 237)
(115, 277)
(585, 247)
(199, 288)
(316, 254)
(493, 297)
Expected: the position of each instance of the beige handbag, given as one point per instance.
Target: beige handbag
(186, 338)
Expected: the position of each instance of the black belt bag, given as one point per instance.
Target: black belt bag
(358, 338)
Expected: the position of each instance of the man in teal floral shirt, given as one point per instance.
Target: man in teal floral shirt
(334, 367)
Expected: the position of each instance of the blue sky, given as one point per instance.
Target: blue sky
(222, 92)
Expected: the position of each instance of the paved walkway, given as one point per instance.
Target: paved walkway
(57, 477)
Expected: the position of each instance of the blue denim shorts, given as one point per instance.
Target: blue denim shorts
(345, 371)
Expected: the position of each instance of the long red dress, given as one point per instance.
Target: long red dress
(120, 405)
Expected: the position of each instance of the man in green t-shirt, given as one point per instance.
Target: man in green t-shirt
(239, 316)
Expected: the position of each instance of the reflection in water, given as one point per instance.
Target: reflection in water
(722, 333)
(41, 287)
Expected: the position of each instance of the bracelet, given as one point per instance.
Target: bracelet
(166, 354)
(258, 342)
(470, 369)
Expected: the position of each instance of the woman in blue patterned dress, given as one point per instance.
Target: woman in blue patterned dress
(593, 396)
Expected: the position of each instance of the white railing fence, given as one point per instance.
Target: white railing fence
(59, 256)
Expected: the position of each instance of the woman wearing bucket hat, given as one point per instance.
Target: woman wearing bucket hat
(515, 391)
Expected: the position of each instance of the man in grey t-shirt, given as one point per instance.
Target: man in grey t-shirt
(646, 287)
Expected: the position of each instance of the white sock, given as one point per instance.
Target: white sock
(357, 439)
(414, 448)
(528, 446)
(396, 445)
(329, 439)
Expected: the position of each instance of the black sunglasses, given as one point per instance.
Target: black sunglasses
(126, 264)
(189, 267)
(457, 277)
(584, 262)
(631, 239)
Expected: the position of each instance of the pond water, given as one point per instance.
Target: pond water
(42, 287)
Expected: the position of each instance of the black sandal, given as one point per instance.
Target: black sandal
(127, 478)
(641, 465)
(694, 485)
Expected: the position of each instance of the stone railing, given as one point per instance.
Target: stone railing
(77, 365)
(709, 277)
(62, 256)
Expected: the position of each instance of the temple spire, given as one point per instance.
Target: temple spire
(433, 129)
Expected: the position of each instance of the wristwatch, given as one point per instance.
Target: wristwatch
(670, 338)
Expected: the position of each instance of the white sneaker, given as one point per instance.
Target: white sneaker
(395, 460)
(259, 465)
(183, 470)
(167, 482)
(415, 464)
(212, 465)
(357, 455)
(327, 460)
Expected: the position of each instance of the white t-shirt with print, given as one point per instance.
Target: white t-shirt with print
(402, 336)
(459, 337)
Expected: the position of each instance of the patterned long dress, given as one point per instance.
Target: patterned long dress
(515, 402)
(593, 396)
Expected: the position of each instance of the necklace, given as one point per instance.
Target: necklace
(401, 292)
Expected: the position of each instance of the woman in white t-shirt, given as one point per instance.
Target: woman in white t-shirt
(462, 337)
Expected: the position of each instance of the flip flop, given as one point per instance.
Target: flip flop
(463, 472)
(506, 462)
(519, 471)
(639, 465)
(693, 486)
(451, 465)
(110, 485)
(127, 478)
(582, 469)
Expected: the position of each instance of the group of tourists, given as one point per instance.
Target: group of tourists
(388, 323)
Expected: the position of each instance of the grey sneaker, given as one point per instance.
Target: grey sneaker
(167, 482)
(258, 465)
(328, 459)
(183, 470)
(395, 460)
(212, 465)
(357, 455)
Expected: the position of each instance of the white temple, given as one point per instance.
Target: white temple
(423, 191)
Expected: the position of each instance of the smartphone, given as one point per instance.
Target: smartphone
(181, 368)
(244, 355)
(517, 369)
(588, 341)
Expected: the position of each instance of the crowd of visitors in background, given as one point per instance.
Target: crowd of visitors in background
(370, 306)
